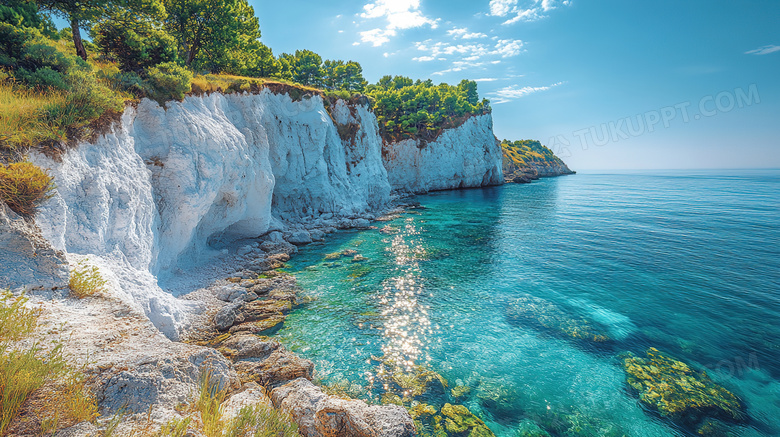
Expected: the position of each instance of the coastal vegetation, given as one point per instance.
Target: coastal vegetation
(86, 281)
(420, 109)
(35, 381)
(23, 186)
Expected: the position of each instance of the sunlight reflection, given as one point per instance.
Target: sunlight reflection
(407, 326)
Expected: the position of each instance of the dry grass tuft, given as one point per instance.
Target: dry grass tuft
(23, 186)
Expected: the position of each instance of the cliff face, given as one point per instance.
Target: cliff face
(464, 157)
(168, 190)
(524, 161)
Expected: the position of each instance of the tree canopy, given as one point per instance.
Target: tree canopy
(406, 108)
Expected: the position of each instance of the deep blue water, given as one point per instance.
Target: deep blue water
(687, 262)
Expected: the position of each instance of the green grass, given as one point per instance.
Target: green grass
(36, 379)
(22, 125)
(86, 281)
(260, 420)
(209, 405)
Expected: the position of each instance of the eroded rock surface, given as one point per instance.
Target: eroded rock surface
(28, 260)
(320, 415)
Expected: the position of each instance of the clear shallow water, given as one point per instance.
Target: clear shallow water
(688, 263)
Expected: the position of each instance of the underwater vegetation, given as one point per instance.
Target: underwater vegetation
(676, 391)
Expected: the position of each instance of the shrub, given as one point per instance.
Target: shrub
(168, 81)
(23, 186)
(40, 52)
(42, 78)
(86, 280)
(129, 82)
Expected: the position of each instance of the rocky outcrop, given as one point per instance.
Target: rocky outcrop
(528, 160)
(28, 260)
(131, 367)
(320, 415)
(465, 157)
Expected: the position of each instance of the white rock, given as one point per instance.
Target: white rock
(464, 157)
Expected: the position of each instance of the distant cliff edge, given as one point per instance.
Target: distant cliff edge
(528, 160)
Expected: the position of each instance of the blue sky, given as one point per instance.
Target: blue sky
(598, 81)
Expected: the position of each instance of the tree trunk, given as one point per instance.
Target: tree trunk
(74, 28)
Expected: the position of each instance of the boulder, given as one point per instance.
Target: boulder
(230, 293)
(317, 235)
(278, 368)
(251, 395)
(320, 415)
(226, 316)
(300, 238)
(244, 346)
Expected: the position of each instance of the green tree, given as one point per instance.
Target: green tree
(135, 47)
(83, 14)
(212, 34)
(24, 13)
(307, 68)
(261, 61)
(351, 76)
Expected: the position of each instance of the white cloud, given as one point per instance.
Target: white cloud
(535, 9)
(376, 37)
(486, 79)
(513, 92)
(424, 58)
(508, 48)
(465, 34)
(472, 52)
(500, 8)
(399, 14)
(765, 50)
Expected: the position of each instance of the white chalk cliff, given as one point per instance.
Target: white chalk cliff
(170, 186)
(464, 157)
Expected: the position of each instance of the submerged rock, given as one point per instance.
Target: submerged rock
(411, 381)
(676, 391)
(460, 391)
(529, 428)
(459, 421)
(544, 315)
(500, 399)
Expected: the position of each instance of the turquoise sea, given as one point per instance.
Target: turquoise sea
(685, 262)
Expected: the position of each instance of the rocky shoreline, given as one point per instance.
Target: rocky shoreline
(138, 374)
(535, 171)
